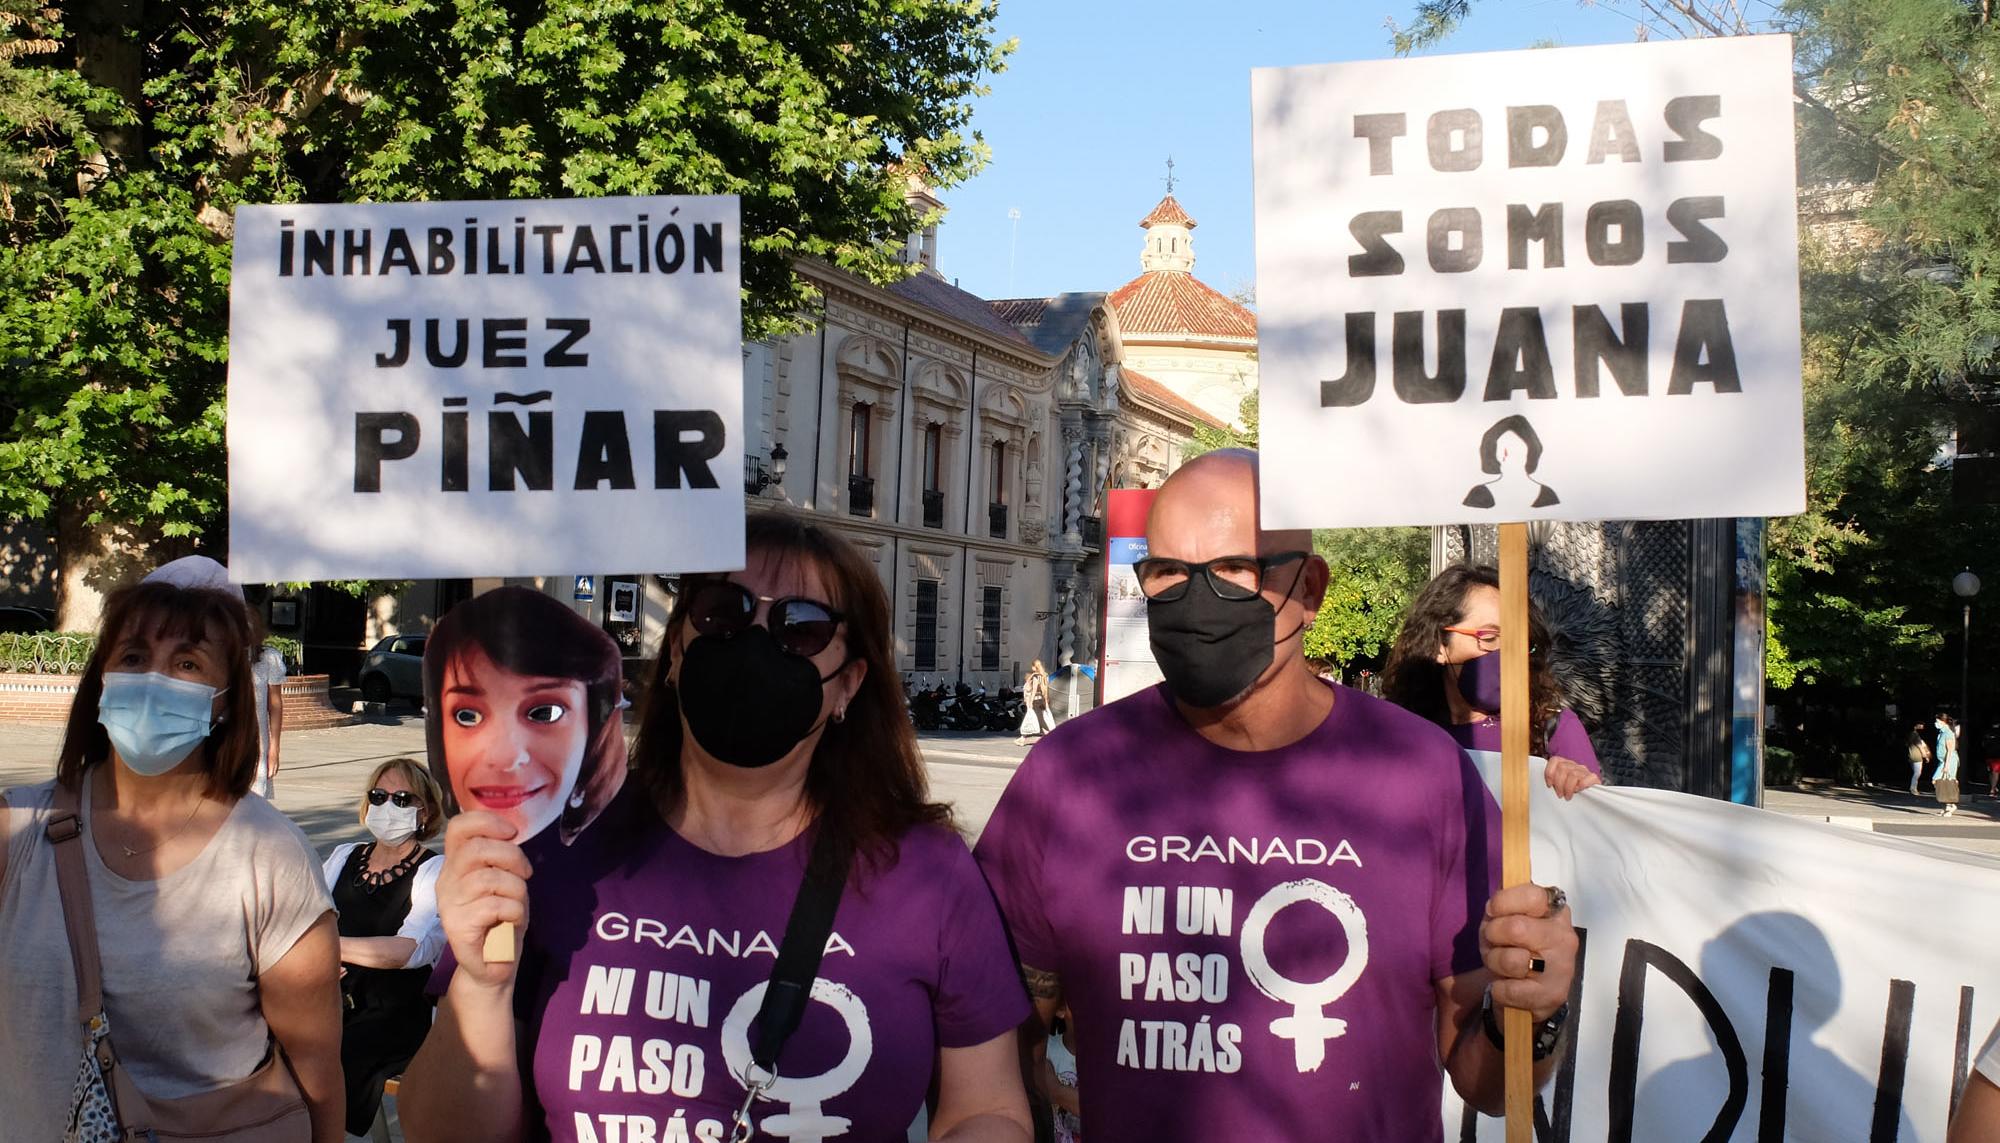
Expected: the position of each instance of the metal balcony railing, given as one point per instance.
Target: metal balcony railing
(933, 508)
(860, 495)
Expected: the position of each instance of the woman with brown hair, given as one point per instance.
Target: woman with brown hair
(1443, 667)
(214, 933)
(775, 758)
(386, 892)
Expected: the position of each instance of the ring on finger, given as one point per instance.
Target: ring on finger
(1558, 900)
(1537, 964)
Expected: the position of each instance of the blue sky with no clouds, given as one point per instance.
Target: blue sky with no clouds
(1100, 92)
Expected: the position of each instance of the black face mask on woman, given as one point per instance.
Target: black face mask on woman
(747, 701)
(1211, 649)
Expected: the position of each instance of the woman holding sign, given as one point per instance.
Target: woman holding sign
(1444, 668)
(769, 926)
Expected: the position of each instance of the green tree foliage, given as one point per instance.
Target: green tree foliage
(1899, 100)
(129, 132)
(1376, 571)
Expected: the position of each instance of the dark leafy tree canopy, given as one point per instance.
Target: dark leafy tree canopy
(129, 132)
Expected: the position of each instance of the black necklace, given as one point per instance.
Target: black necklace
(371, 880)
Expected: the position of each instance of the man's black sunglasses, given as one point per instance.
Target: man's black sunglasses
(1229, 577)
(801, 626)
(403, 798)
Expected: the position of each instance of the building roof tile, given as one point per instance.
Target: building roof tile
(1173, 301)
(929, 290)
(1169, 211)
(1159, 394)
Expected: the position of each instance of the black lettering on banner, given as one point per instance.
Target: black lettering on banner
(396, 252)
(1520, 357)
(354, 251)
(1611, 133)
(675, 456)
(287, 247)
(548, 236)
(708, 247)
(604, 452)
(1358, 383)
(1777, 1057)
(619, 263)
(1895, 1062)
(670, 263)
(1630, 1026)
(452, 475)
(370, 449)
(1377, 259)
(1544, 225)
(1685, 116)
(1964, 1046)
(1703, 353)
(1522, 123)
(496, 345)
(1406, 354)
(399, 345)
(1703, 244)
(438, 248)
(1470, 150)
(1464, 222)
(434, 351)
(319, 252)
(558, 355)
(583, 251)
(512, 448)
(1595, 344)
(1379, 130)
(1625, 216)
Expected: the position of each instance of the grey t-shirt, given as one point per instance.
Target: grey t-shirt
(181, 958)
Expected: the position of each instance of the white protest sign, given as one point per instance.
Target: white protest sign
(1750, 976)
(1553, 284)
(452, 389)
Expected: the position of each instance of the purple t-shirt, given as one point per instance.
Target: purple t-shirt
(1568, 740)
(646, 956)
(1248, 941)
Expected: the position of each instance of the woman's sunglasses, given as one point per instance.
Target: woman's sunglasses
(801, 626)
(403, 798)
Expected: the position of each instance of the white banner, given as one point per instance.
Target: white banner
(1551, 284)
(454, 389)
(1752, 976)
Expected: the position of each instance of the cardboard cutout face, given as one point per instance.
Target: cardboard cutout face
(523, 698)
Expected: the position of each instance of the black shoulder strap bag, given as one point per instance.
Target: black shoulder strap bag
(789, 990)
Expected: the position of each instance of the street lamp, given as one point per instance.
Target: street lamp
(1965, 585)
(766, 477)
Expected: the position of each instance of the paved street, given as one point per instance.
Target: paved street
(320, 785)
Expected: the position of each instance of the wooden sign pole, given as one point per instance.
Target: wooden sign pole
(500, 942)
(1515, 722)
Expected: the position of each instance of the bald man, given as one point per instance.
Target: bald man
(1259, 894)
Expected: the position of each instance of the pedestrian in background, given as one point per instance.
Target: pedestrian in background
(217, 955)
(268, 674)
(1920, 754)
(1035, 696)
(385, 890)
(1944, 779)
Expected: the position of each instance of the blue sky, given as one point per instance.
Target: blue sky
(1100, 92)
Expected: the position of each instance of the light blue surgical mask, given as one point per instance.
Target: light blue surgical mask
(155, 721)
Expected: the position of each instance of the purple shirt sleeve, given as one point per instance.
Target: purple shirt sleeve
(1010, 853)
(979, 992)
(1571, 741)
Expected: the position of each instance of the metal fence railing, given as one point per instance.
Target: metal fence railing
(46, 653)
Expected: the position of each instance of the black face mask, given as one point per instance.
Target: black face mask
(1211, 649)
(746, 701)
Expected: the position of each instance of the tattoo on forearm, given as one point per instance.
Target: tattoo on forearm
(1042, 985)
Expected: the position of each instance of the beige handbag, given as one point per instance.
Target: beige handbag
(107, 1106)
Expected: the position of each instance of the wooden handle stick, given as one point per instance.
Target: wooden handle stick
(499, 944)
(1515, 720)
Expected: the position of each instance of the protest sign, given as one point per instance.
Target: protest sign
(1551, 284)
(454, 389)
(1747, 975)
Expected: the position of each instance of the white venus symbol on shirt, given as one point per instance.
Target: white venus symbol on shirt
(803, 1122)
(1308, 1027)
